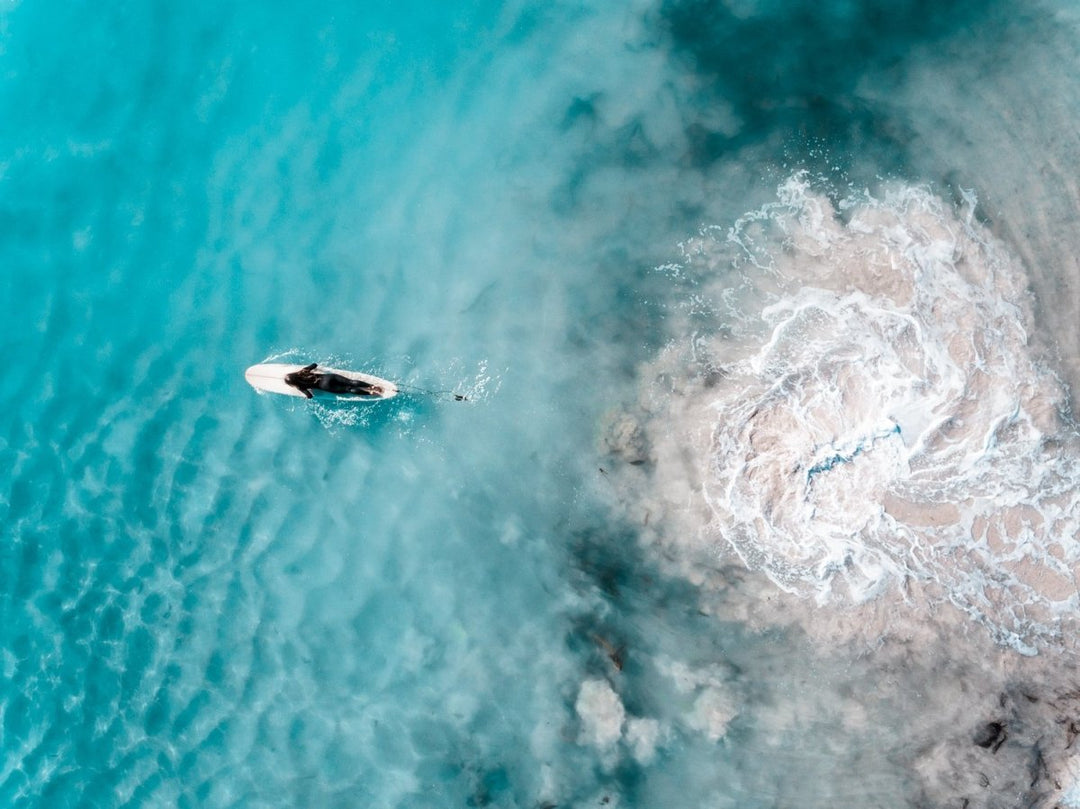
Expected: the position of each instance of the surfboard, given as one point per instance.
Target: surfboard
(269, 377)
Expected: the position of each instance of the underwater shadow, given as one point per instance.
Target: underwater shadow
(793, 69)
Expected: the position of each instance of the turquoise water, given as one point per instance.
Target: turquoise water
(219, 599)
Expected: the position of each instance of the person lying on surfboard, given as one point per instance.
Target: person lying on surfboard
(305, 379)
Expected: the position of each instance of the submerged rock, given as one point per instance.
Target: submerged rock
(991, 736)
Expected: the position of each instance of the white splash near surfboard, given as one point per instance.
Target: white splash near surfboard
(269, 377)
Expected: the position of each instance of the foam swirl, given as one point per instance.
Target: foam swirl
(875, 411)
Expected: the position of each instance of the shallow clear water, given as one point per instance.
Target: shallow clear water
(214, 598)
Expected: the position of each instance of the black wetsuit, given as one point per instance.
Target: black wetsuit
(306, 379)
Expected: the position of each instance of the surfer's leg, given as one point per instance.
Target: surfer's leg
(332, 383)
(335, 383)
(363, 389)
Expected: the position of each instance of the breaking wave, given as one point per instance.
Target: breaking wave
(872, 413)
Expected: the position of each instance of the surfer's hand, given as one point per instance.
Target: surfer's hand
(306, 392)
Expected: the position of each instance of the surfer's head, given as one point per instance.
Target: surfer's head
(304, 378)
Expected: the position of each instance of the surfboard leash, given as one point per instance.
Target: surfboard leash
(439, 394)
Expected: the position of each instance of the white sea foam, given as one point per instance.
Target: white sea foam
(601, 713)
(1071, 797)
(859, 409)
(643, 737)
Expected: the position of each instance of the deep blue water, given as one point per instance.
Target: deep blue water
(213, 598)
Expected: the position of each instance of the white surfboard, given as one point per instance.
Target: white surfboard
(269, 377)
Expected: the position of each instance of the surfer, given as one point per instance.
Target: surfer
(306, 379)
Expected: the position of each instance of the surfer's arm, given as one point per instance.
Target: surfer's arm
(306, 392)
